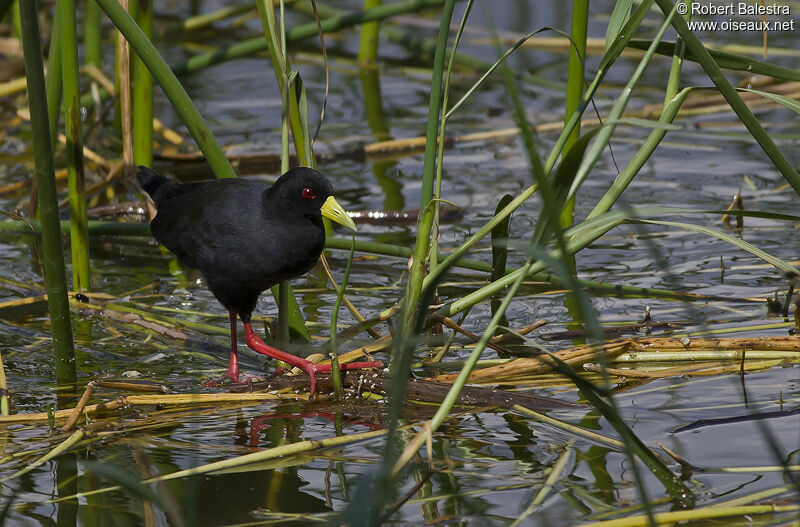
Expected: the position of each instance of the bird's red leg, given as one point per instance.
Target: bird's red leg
(256, 344)
(233, 363)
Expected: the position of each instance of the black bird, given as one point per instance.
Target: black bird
(245, 237)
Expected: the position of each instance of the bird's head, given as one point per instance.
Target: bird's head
(309, 192)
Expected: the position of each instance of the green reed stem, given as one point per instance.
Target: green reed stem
(573, 245)
(171, 87)
(672, 103)
(423, 241)
(142, 91)
(577, 58)
(640, 158)
(452, 395)
(92, 34)
(273, 41)
(207, 19)
(282, 334)
(437, 193)
(752, 124)
(290, 316)
(276, 38)
(617, 18)
(606, 61)
(412, 314)
(603, 401)
(425, 49)
(303, 31)
(52, 254)
(330, 24)
(673, 81)
(370, 36)
(15, 20)
(369, 75)
(604, 135)
(574, 93)
(499, 241)
(726, 59)
(113, 228)
(337, 379)
(79, 232)
(53, 78)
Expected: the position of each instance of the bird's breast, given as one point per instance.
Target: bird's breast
(281, 255)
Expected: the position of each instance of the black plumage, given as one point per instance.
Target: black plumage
(245, 237)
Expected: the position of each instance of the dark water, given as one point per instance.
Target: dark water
(489, 465)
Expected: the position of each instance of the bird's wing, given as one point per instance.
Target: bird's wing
(202, 222)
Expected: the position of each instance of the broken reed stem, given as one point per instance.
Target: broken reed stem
(570, 428)
(76, 412)
(787, 343)
(572, 356)
(705, 355)
(254, 457)
(450, 323)
(685, 348)
(693, 370)
(147, 400)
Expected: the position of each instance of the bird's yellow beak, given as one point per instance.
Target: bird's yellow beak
(332, 210)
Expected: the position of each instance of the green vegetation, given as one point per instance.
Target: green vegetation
(483, 272)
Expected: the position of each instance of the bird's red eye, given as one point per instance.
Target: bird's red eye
(308, 193)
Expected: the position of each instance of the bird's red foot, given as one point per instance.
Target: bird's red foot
(312, 368)
(230, 377)
(232, 374)
(256, 344)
